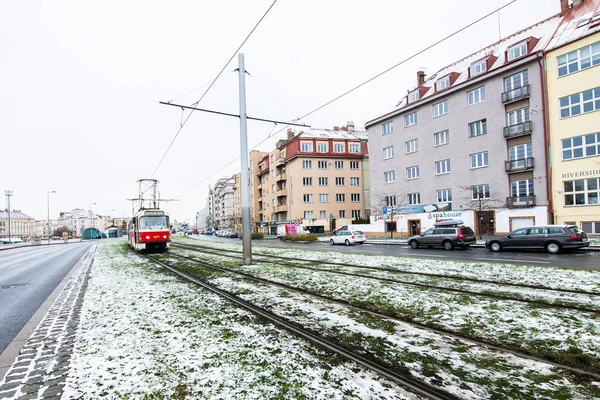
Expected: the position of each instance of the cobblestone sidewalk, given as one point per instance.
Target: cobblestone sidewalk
(40, 370)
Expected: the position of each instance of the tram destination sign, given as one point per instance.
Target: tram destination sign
(154, 212)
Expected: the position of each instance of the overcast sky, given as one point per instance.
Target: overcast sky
(81, 82)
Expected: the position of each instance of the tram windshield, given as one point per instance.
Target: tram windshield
(158, 222)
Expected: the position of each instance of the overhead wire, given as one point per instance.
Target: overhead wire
(211, 85)
(364, 83)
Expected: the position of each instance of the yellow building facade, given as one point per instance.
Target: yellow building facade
(573, 83)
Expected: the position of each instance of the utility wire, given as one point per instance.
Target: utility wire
(365, 82)
(211, 85)
(199, 87)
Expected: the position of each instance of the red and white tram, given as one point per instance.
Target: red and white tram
(149, 230)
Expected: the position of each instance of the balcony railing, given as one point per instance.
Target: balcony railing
(515, 94)
(281, 177)
(282, 208)
(520, 165)
(524, 128)
(520, 201)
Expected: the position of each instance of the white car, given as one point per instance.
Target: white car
(348, 238)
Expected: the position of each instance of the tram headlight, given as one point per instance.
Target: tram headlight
(164, 236)
(147, 237)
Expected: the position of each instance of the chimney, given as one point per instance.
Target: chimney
(290, 134)
(420, 78)
(564, 7)
(350, 125)
(336, 128)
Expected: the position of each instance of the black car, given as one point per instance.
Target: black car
(552, 238)
(447, 234)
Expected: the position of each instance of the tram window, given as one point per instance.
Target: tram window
(154, 222)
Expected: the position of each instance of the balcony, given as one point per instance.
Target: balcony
(281, 193)
(281, 177)
(520, 165)
(281, 208)
(520, 201)
(517, 130)
(515, 94)
(262, 172)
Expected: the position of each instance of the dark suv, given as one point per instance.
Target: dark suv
(553, 238)
(447, 234)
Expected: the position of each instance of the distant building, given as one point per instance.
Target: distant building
(21, 225)
(223, 216)
(78, 219)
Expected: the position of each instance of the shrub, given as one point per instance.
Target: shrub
(255, 235)
(301, 237)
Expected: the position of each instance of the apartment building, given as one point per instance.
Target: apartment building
(315, 178)
(468, 142)
(21, 225)
(223, 216)
(573, 78)
(78, 219)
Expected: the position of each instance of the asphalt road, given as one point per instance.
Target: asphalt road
(576, 259)
(28, 275)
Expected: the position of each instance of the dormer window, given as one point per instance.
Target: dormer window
(516, 51)
(442, 83)
(413, 96)
(477, 68)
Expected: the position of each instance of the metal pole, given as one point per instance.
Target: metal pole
(8, 194)
(246, 242)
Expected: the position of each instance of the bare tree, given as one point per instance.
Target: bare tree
(482, 200)
(394, 202)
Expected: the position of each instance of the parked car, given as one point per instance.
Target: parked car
(348, 237)
(447, 234)
(552, 238)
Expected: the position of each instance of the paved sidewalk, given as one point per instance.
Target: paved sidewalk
(39, 370)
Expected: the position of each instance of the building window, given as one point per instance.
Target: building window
(582, 192)
(581, 146)
(354, 182)
(442, 167)
(339, 181)
(322, 147)
(322, 164)
(306, 164)
(442, 83)
(516, 81)
(355, 197)
(444, 196)
(476, 95)
(324, 198)
(339, 165)
(519, 152)
(340, 197)
(412, 172)
(307, 181)
(410, 119)
(440, 108)
(388, 152)
(412, 146)
(590, 226)
(342, 213)
(478, 67)
(414, 198)
(521, 188)
(308, 198)
(307, 147)
(578, 103)
(579, 59)
(413, 96)
(481, 191)
(354, 165)
(308, 215)
(387, 128)
(356, 214)
(478, 128)
(441, 138)
(354, 148)
(518, 116)
(389, 176)
(338, 148)
(517, 51)
(323, 181)
(479, 160)
(390, 201)
(323, 214)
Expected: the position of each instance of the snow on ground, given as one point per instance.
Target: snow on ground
(146, 334)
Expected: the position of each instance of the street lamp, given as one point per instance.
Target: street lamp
(48, 202)
(92, 221)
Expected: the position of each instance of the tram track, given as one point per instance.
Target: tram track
(289, 262)
(416, 386)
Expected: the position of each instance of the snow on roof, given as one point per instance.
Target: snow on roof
(334, 134)
(14, 214)
(579, 22)
(543, 31)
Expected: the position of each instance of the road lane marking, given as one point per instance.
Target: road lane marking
(518, 261)
(14, 266)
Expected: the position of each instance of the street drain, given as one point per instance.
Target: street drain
(14, 285)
